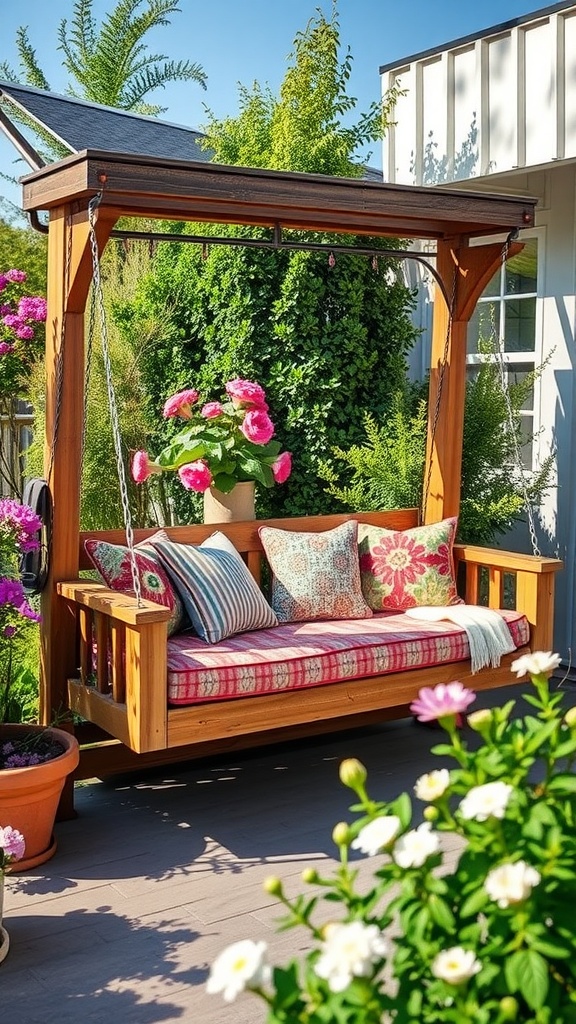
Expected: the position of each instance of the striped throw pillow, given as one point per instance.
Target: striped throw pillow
(219, 593)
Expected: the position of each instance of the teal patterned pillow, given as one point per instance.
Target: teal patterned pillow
(219, 593)
(315, 575)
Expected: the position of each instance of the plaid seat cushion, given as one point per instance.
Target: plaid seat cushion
(303, 654)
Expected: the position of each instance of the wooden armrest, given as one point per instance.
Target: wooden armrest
(511, 561)
(123, 607)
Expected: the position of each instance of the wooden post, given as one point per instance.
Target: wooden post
(473, 268)
(69, 277)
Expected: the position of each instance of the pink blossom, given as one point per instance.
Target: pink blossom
(142, 467)
(442, 700)
(3, 282)
(12, 845)
(5, 348)
(32, 307)
(211, 410)
(181, 404)
(16, 276)
(195, 476)
(6, 308)
(12, 320)
(257, 426)
(246, 392)
(25, 332)
(282, 467)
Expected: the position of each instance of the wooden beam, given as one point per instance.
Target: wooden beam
(465, 272)
(68, 284)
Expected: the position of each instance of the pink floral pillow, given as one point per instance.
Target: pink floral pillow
(113, 563)
(315, 575)
(408, 568)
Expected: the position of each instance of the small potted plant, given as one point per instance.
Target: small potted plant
(224, 448)
(34, 761)
(12, 847)
(486, 939)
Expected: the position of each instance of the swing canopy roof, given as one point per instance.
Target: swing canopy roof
(181, 190)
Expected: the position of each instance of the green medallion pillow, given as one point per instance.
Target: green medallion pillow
(315, 575)
(403, 569)
(114, 564)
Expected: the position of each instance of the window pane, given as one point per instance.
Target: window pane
(493, 286)
(516, 374)
(521, 270)
(519, 325)
(484, 326)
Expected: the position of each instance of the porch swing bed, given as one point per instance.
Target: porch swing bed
(107, 656)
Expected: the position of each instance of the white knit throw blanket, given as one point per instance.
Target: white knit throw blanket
(488, 633)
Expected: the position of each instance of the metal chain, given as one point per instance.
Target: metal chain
(60, 356)
(426, 488)
(512, 426)
(87, 371)
(114, 419)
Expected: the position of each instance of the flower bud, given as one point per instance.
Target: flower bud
(310, 876)
(353, 773)
(479, 720)
(570, 718)
(508, 1007)
(273, 885)
(341, 834)
(431, 812)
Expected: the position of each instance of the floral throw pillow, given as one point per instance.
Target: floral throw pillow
(113, 563)
(315, 575)
(408, 568)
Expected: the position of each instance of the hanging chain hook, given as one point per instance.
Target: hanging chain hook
(114, 418)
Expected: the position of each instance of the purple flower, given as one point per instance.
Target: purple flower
(3, 282)
(9, 632)
(12, 593)
(12, 320)
(441, 701)
(16, 276)
(5, 348)
(12, 845)
(32, 307)
(25, 332)
(5, 308)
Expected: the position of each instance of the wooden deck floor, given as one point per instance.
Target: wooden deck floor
(159, 873)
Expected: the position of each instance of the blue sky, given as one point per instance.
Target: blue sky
(248, 40)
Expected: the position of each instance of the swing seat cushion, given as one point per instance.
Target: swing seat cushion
(298, 655)
(403, 569)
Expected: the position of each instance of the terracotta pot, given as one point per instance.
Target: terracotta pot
(233, 507)
(29, 796)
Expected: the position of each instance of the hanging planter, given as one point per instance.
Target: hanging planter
(29, 795)
(235, 506)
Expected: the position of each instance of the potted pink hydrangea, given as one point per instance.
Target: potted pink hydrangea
(224, 447)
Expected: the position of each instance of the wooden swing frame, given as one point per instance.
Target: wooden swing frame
(147, 187)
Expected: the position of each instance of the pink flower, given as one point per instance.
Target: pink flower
(3, 282)
(181, 404)
(441, 701)
(12, 845)
(32, 307)
(25, 332)
(195, 476)
(246, 392)
(257, 426)
(5, 348)
(142, 468)
(282, 467)
(16, 276)
(211, 410)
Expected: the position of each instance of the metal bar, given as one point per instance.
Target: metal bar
(278, 242)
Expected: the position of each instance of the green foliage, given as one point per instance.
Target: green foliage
(26, 250)
(22, 696)
(326, 342)
(101, 505)
(483, 937)
(387, 471)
